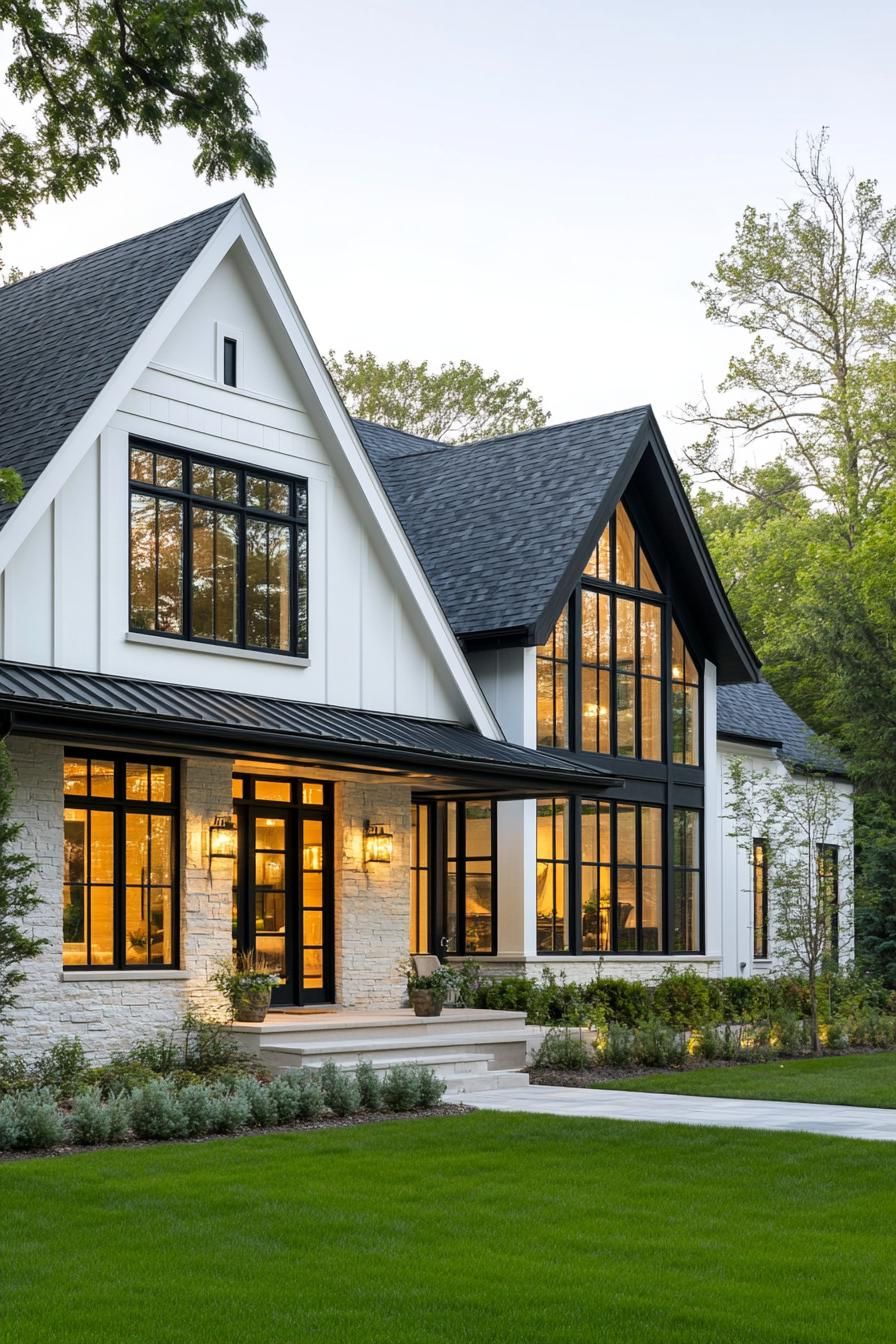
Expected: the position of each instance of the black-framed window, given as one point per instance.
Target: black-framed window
(828, 877)
(229, 361)
(621, 865)
(420, 870)
(218, 551)
(552, 879)
(760, 898)
(471, 909)
(120, 907)
(604, 672)
(687, 867)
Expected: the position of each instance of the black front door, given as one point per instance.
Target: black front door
(284, 884)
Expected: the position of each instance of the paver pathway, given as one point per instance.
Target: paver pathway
(852, 1122)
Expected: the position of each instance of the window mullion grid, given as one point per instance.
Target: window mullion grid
(574, 880)
(573, 664)
(639, 880)
(119, 868)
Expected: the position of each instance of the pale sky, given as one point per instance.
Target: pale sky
(529, 185)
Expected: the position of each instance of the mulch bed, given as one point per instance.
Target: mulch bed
(325, 1122)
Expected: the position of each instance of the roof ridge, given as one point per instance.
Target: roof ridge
(440, 447)
(122, 242)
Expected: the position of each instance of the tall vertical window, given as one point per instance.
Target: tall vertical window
(552, 875)
(597, 880)
(685, 703)
(552, 674)
(218, 552)
(119, 895)
(229, 361)
(686, 869)
(470, 888)
(828, 861)
(601, 673)
(760, 899)
(420, 870)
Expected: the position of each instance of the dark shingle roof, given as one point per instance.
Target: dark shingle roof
(64, 332)
(174, 717)
(754, 711)
(494, 523)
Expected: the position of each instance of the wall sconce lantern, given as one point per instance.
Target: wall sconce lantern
(377, 844)
(222, 839)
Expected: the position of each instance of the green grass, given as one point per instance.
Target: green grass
(473, 1228)
(844, 1080)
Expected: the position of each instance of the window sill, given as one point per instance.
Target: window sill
(218, 650)
(123, 977)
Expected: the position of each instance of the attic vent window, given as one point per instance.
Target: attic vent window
(230, 361)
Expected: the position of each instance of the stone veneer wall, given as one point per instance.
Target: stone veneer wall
(372, 903)
(109, 1010)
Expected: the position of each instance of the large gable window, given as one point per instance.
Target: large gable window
(218, 552)
(603, 672)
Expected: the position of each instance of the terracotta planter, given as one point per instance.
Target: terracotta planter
(252, 1005)
(425, 1002)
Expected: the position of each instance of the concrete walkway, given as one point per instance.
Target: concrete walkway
(849, 1122)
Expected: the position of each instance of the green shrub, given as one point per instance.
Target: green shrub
(63, 1068)
(210, 1047)
(657, 1045)
(684, 999)
(565, 1049)
(196, 1107)
(512, 993)
(120, 1076)
(93, 1120)
(156, 1112)
(625, 1002)
(709, 1046)
(341, 1091)
(791, 1034)
(41, 1124)
(837, 1038)
(401, 1088)
(430, 1087)
(745, 998)
(310, 1099)
(619, 1046)
(9, 1124)
(161, 1054)
(13, 1072)
(370, 1085)
(263, 1109)
(228, 1110)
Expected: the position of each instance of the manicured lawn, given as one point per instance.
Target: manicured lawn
(473, 1228)
(846, 1080)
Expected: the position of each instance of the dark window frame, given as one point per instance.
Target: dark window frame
(460, 861)
(830, 854)
(424, 823)
(120, 807)
(688, 869)
(296, 521)
(229, 361)
(760, 898)
(554, 863)
(245, 807)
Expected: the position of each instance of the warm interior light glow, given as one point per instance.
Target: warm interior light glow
(377, 844)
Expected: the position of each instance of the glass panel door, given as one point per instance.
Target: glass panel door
(270, 893)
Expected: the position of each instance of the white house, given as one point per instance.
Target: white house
(276, 680)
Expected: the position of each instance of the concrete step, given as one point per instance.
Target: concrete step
(484, 1082)
(348, 1024)
(445, 1066)
(507, 1048)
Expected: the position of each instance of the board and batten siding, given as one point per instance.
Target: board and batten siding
(65, 590)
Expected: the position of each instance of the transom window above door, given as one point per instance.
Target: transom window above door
(218, 552)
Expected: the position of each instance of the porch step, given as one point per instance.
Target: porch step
(507, 1049)
(453, 1068)
(348, 1024)
(484, 1082)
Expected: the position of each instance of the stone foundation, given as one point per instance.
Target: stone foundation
(579, 970)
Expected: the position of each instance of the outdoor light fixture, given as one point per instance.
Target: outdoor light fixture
(377, 844)
(222, 838)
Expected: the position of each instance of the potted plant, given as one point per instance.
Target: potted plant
(247, 986)
(427, 993)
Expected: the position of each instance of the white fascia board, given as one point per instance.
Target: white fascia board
(98, 415)
(363, 484)
(336, 425)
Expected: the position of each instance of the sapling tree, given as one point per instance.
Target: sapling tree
(800, 817)
(18, 896)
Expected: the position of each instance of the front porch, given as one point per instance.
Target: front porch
(471, 1049)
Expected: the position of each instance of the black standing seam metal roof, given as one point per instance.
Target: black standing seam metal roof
(64, 332)
(494, 523)
(31, 694)
(754, 712)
